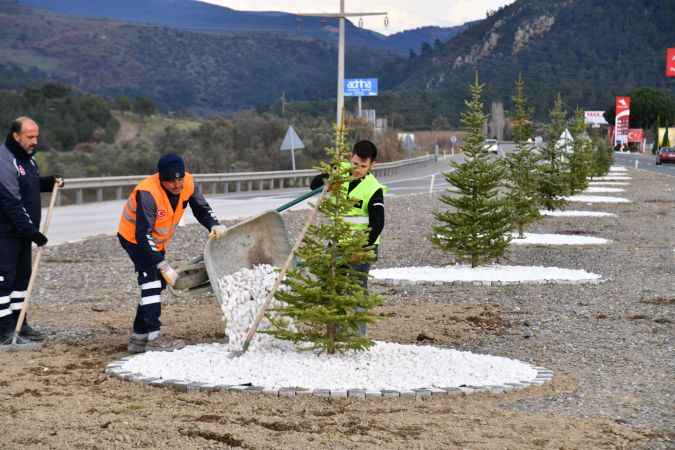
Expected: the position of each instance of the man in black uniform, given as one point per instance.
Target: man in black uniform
(20, 208)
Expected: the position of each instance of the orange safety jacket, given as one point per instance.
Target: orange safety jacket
(167, 219)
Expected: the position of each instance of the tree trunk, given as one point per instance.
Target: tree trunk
(331, 333)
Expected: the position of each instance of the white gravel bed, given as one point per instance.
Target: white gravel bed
(596, 199)
(603, 190)
(608, 183)
(385, 366)
(575, 213)
(494, 272)
(557, 239)
(611, 178)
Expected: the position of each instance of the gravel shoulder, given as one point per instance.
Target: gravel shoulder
(611, 346)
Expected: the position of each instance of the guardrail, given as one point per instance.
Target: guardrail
(82, 190)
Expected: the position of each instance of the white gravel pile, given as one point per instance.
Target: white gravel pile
(244, 293)
(494, 272)
(385, 366)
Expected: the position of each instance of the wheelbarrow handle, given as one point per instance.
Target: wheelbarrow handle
(297, 200)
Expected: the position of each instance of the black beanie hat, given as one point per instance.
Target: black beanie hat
(170, 167)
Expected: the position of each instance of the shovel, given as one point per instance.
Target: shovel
(263, 239)
(33, 275)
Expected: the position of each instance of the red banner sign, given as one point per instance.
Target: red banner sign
(670, 62)
(635, 135)
(621, 120)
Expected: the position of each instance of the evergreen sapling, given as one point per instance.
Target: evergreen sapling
(553, 184)
(324, 295)
(581, 159)
(477, 228)
(522, 165)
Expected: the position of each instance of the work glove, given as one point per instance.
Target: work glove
(168, 273)
(217, 231)
(59, 181)
(39, 238)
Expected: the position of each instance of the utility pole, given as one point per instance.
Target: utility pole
(283, 103)
(342, 15)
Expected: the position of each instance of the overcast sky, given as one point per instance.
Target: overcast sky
(403, 14)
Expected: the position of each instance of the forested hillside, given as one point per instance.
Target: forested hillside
(586, 50)
(183, 71)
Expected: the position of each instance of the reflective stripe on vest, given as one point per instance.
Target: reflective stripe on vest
(355, 220)
(167, 218)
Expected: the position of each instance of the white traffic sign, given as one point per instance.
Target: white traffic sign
(292, 142)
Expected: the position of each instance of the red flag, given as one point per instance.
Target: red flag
(670, 62)
(621, 120)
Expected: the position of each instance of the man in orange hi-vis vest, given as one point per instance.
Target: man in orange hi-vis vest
(148, 222)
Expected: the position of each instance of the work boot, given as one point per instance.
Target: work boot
(28, 332)
(21, 343)
(137, 343)
(164, 344)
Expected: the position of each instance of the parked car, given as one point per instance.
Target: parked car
(666, 155)
(491, 146)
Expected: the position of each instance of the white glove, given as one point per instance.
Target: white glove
(217, 231)
(168, 273)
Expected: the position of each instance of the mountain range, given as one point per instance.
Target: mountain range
(192, 56)
(195, 15)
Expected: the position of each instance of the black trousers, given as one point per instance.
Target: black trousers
(15, 271)
(149, 310)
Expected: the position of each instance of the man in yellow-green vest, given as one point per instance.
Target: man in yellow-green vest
(368, 212)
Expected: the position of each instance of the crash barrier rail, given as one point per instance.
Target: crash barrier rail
(85, 190)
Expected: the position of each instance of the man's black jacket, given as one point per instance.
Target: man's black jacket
(20, 187)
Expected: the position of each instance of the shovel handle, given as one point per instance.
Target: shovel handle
(282, 273)
(297, 200)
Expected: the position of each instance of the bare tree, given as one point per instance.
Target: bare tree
(497, 120)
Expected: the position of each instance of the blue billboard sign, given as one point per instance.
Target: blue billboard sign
(360, 87)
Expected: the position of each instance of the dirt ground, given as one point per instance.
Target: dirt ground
(59, 397)
(610, 346)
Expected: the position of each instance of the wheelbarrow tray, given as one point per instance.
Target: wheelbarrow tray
(262, 239)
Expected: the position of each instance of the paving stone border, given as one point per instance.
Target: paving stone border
(398, 282)
(115, 370)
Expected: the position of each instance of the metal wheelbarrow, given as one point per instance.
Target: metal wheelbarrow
(262, 239)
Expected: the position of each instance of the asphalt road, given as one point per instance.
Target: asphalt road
(645, 161)
(77, 222)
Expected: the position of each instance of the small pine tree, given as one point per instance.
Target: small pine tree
(603, 156)
(478, 229)
(324, 295)
(581, 159)
(522, 165)
(553, 176)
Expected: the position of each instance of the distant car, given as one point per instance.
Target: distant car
(666, 155)
(491, 146)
